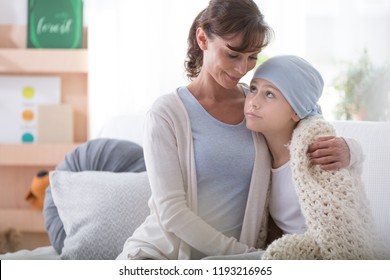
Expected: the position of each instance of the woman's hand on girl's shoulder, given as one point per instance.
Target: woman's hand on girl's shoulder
(330, 152)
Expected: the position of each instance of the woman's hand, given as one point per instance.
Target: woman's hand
(330, 152)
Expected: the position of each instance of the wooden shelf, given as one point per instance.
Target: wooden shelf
(19, 163)
(40, 61)
(34, 154)
(22, 219)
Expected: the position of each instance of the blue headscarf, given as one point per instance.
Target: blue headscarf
(300, 83)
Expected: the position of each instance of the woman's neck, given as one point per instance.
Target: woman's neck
(225, 105)
(206, 88)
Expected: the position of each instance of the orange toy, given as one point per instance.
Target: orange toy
(36, 194)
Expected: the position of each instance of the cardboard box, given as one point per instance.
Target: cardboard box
(55, 123)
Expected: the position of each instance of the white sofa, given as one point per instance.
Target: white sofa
(373, 136)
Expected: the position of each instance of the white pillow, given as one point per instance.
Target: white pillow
(99, 210)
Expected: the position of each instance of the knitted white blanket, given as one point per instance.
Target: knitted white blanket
(334, 204)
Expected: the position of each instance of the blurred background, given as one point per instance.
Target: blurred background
(136, 51)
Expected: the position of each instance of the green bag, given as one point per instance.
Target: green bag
(55, 24)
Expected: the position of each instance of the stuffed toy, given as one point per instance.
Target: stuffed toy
(9, 240)
(36, 193)
(334, 204)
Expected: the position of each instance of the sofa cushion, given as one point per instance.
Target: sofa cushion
(99, 210)
(96, 155)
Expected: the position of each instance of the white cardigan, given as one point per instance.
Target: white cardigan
(173, 226)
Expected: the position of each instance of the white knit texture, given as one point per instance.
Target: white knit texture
(334, 204)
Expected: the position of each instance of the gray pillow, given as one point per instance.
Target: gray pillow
(102, 154)
(99, 210)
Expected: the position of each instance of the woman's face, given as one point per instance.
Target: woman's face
(226, 66)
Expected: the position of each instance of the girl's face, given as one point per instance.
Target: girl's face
(223, 64)
(266, 109)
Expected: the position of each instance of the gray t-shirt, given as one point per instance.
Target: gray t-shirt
(224, 158)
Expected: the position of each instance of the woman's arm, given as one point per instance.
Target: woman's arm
(333, 152)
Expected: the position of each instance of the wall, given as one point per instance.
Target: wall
(137, 48)
(15, 12)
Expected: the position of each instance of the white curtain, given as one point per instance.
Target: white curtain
(137, 48)
(136, 53)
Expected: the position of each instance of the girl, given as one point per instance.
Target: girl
(326, 213)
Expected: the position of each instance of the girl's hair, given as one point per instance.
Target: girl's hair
(225, 19)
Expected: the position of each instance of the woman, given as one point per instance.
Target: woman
(209, 175)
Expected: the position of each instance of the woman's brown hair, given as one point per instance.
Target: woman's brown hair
(225, 19)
